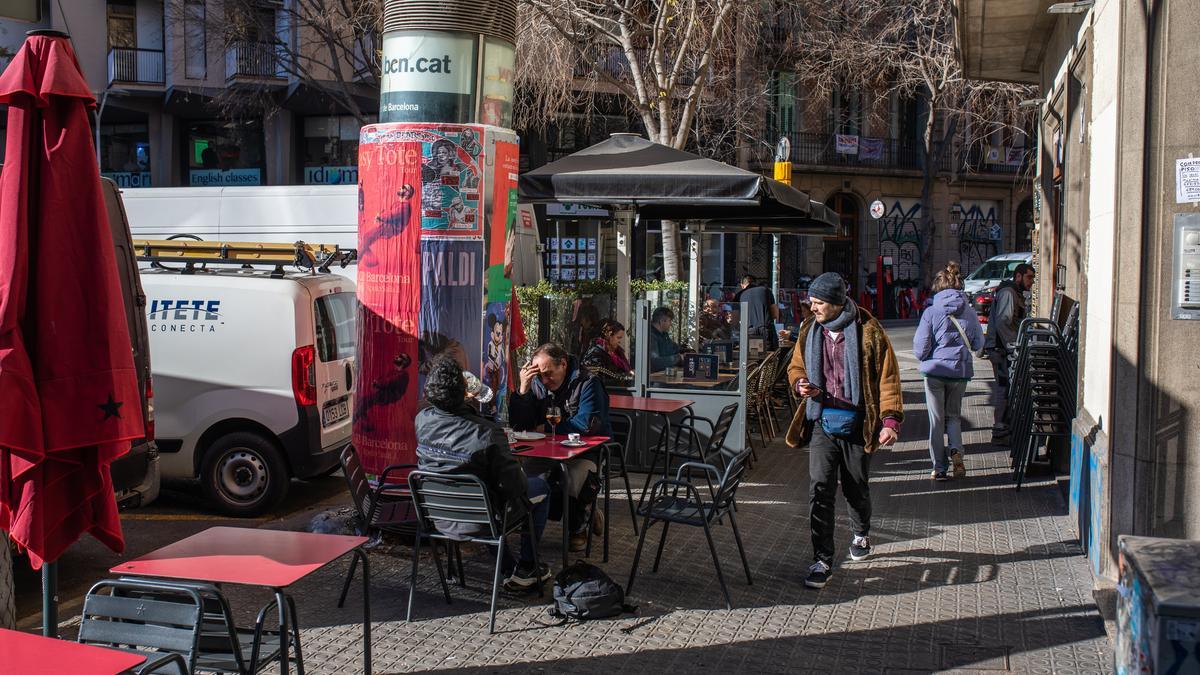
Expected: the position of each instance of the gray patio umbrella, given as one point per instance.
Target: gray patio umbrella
(664, 183)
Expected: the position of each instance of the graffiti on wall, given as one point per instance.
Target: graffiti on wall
(979, 232)
(900, 236)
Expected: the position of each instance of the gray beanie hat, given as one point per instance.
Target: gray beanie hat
(828, 287)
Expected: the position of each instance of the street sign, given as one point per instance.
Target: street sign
(877, 209)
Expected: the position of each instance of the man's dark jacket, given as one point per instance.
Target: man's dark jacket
(463, 442)
(581, 396)
(664, 353)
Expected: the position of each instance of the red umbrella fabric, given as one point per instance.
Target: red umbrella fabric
(68, 389)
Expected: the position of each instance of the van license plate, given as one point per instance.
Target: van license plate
(335, 411)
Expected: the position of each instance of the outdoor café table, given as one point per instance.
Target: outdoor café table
(271, 559)
(26, 653)
(659, 379)
(554, 450)
(663, 407)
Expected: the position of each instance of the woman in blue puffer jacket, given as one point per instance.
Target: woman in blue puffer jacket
(946, 355)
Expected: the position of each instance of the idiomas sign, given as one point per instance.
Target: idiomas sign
(433, 76)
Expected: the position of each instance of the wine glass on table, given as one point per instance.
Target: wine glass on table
(553, 417)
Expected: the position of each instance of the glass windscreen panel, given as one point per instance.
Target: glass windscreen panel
(335, 326)
(694, 349)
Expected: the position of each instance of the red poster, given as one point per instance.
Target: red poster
(389, 278)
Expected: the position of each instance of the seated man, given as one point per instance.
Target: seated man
(664, 352)
(714, 321)
(553, 377)
(453, 438)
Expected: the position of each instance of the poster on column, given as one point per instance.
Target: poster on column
(385, 400)
(450, 174)
(451, 316)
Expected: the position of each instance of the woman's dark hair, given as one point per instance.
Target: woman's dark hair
(555, 352)
(610, 327)
(445, 387)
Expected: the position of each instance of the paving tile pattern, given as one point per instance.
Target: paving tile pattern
(968, 576)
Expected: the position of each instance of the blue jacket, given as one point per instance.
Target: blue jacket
(937, 344)
(581, 396)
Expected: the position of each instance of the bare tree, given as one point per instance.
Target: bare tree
(907, 48)
(674, 63)
(330, 46)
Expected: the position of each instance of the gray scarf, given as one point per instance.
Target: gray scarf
(814, 358)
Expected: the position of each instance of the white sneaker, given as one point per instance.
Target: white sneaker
(818, 575)
(860, 548)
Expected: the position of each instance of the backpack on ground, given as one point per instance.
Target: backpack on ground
(583, 592)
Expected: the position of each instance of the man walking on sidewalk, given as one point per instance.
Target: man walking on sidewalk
(847, 372)
(1008, 309)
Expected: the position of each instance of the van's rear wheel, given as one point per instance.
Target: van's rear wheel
(243, 474)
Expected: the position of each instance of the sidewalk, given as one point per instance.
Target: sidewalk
(967, 576)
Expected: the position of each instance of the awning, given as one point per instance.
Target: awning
(664, 183)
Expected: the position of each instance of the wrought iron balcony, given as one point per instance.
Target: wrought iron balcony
(253, 60)
(128, 65)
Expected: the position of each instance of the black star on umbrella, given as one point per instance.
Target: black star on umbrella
(111, 408)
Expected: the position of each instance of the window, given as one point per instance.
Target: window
(224, 153)
(125, 154)
(22, 10)
(847, 112)
(195, 40)
(336, 332)
(122, 25)
(330, 150)
(782, 114)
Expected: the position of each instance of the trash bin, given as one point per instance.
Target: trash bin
(1158, 606)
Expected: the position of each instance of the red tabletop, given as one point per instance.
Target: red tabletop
(26, 653)
(547, 449)
(646, 404)
(237, 555)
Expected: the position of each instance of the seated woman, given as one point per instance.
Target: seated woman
(606, 357)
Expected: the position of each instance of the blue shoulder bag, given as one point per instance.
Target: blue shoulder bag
(839, 422)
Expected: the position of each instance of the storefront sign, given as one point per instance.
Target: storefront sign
(129, 179)
(574, 210)
(216, 177)
(427, 76)
(330, 175)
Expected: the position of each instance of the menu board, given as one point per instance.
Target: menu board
(700, 366)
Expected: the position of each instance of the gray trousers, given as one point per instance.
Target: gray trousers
(944, 398)
(999, 388)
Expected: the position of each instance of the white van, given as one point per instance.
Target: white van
(253, 378)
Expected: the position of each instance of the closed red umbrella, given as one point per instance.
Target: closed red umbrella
(68, 389)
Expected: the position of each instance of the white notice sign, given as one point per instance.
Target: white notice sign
(1187, 180)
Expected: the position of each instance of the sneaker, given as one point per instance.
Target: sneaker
(938, 475)
(960, 468)
(579, 541)
(818, 575)
(525, 578)
(860, 547)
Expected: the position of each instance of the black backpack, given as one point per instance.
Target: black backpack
(583, 592)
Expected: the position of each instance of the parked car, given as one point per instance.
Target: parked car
(254, 378)
(980, 285)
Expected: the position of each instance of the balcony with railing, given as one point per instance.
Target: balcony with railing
(129, 65)
(997, 159)
(254, 61)
(815, 149)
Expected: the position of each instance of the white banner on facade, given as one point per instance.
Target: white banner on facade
(847, 144)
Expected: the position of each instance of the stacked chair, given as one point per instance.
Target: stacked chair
(1043, 387)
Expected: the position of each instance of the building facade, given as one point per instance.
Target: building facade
(1116, 135)
(169, 83)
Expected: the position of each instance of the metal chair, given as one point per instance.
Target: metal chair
(694, 449)
(622, 424)
(462, 499)
(165, 629)
(693, 511)
(382, 506)
(223, 647)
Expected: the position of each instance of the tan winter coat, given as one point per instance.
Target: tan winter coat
(882, 395)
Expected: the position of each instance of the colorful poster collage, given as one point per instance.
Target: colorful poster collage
(570, 259)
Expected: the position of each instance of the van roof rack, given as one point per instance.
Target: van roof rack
(310, 257)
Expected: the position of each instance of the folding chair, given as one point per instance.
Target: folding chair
(461, 499)
(692, 510)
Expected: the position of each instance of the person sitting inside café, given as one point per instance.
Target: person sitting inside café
(453, 438)
(606, 357)
(714, 321)
(555, 378)
(664, 352)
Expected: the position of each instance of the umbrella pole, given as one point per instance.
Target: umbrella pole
(50, 599)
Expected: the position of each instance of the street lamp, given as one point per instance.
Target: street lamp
(1077, 7)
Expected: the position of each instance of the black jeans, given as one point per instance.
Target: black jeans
(828, 460)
